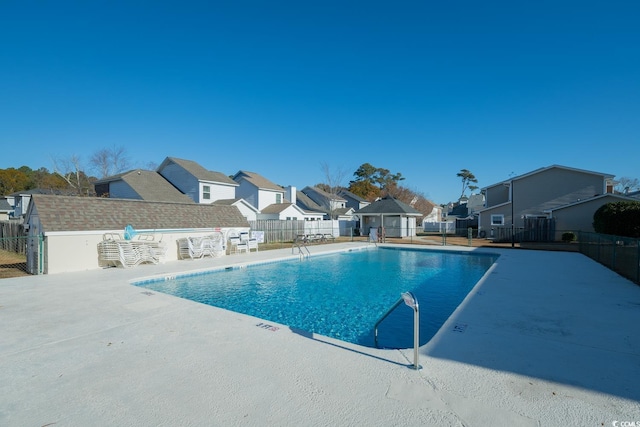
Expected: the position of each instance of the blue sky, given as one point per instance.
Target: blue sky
(423, 88)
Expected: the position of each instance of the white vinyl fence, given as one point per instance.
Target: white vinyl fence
(287, 230)
(439, 227)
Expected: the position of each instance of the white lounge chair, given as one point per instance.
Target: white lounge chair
(196, 247)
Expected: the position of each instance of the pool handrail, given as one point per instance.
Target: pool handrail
(410, 300)
(300, 244)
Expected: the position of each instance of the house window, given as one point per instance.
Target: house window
(497, 219)
(278, 198)
(206, 192)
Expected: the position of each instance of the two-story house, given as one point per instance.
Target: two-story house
(333, 205)
(353, 200)
(257, 190)
(200, 184)
(313, 211)
(568, 196)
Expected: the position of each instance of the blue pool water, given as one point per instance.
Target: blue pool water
(343, 295)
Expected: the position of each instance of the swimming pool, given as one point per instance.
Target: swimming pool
(342, 295)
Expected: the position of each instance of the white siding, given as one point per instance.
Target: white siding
(248, 192)
(246, 212)
(289, 213)
(182, 180)
(78, 251)
(266, 198)
(217, 192)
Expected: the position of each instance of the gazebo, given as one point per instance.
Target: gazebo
(392, 217)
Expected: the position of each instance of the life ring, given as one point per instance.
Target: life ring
(482, 234)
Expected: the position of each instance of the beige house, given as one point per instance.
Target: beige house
(568, 196)
(70, 227)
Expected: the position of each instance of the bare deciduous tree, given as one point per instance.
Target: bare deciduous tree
(71, 171)
(334, 179)
(110, 161)
(625, 185)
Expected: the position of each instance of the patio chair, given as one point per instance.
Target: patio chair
(237, 245)
(250, 242)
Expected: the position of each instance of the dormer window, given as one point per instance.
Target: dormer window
(206, 192)
(278, 198)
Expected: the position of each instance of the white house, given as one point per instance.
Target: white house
(332, 204)
(201, 185)
(352, 200)
(257, 190)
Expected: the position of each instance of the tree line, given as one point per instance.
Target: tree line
(370, 183)
(69, 176)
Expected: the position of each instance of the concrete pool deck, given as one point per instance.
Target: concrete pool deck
(544, 339)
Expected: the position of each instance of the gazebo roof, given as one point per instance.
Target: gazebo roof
(388, 206)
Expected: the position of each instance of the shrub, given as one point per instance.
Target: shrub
(568, 237)
(618, 219)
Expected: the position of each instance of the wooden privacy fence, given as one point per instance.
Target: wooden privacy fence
(534, 230)
(13, 237)
(539, 230)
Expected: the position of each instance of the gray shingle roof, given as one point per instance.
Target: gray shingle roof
(349, 194)
(323, 194)
(201, 173)
(69, 213)
(305, 203)
(257, 180)
(225, 202)
(275, 208)
(341, 211)
(389, 206)
(149, 185)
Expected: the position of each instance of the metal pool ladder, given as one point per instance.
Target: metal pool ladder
(410, 300)
(302, 253)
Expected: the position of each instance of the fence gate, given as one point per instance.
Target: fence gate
(33, 255)
(539, 230)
